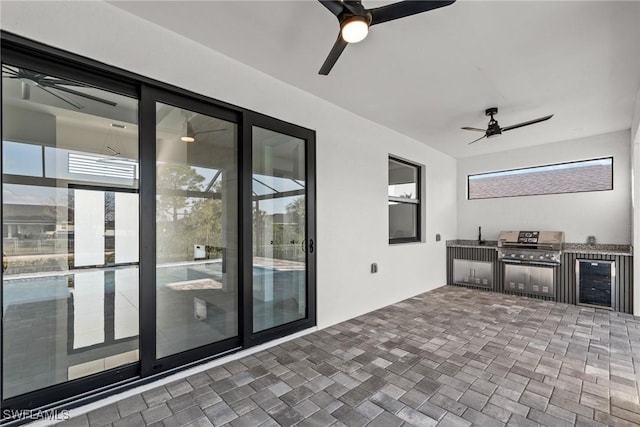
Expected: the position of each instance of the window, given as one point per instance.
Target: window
(572, 177)
(404, 201)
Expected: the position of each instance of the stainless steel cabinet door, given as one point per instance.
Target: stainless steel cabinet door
(516, 277)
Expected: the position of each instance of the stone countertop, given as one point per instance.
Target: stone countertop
(599, 249)
(489, 244)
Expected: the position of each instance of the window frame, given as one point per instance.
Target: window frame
(530, 168)
(415, 202)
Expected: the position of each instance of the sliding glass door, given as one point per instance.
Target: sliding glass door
(279, 229)
(144, 228)
(69, 230)
(281, 186)
(196, 228)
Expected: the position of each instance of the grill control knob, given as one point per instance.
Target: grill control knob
(541, 257)
(522, 256)
(513, 255)
(530, 256)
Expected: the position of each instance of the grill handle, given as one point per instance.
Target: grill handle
(515, 245)
(541, 263)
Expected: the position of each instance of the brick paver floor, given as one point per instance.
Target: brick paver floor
(449, 357)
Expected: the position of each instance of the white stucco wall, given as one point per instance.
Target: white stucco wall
(604, 214)
(351, 152)
(635, 149)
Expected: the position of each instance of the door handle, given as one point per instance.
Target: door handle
(311, 249)
(224, 260)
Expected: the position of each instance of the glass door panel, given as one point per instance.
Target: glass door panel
(69, 288)
(279, 227)
(196, 230)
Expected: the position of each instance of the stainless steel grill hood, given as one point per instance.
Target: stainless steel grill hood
(546, 240)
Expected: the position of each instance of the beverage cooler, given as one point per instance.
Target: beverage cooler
(595, 283)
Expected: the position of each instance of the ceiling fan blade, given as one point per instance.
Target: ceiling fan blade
(57, 81)
(476, 140)
(44, 83)
(335, 53)
(63, 98)
(405, 8)
(8, 71)
(335, 6)
(530, 122)
(209, 131)
(474, 129)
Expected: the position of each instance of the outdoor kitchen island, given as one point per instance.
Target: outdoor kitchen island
(475, 264)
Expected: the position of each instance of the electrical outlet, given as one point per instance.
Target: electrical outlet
(374, 268)
(437, 237)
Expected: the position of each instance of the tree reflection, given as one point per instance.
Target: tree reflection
(186, 215)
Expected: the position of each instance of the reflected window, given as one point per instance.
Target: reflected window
(21, 159)
(69, 230)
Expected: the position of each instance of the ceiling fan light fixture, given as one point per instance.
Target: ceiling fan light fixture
(188, 135)
(354, 29)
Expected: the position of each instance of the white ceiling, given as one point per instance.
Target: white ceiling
(429, 74)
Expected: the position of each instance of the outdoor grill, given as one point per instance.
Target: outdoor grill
(530, 260)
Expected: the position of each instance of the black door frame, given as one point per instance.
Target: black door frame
(26, 53)
(252, 119)
(150, 364)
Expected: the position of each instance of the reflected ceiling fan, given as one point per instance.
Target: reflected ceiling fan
(494, 129)
(188, 135)
(49, 84)
(355, 20)
(116, 157)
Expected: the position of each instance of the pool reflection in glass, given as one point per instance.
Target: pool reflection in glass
(69, 233)
(62, 326)
(279, 227)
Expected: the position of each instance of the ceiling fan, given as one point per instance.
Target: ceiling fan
(49, 84)
(355, 20)
(493, 128)
(188, 135)
(116, 157)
